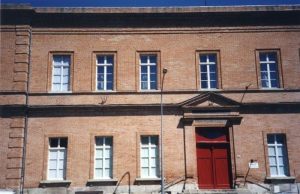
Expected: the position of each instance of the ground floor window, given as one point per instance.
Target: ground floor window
(57, 158)
(149, 157)
(103, 158)
(277, 155)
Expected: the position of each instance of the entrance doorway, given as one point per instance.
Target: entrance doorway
(213, 158)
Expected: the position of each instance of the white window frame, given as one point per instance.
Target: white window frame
(149, 146)
(103, 148)
(275, 145)
(148, 64)
(268, 62)
(207, 64)
(62, 67)
(58, 149)
(104, 65)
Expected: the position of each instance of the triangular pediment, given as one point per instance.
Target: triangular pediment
(209, 99)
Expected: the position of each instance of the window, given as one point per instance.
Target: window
(148, 72)
(57, 158)
(103, 158)
(208, 71)
(269, 70)
(277, 155)
(149, 157)
(105, 75)
(61, 73)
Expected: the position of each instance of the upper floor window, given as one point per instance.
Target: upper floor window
(269, 75)
(57, 158)
(105, 72)
(103, 158)
(278, 160)
(149, 157)
(61, 73)
(148, 72)
(208, 70)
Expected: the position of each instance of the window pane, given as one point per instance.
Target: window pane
(109, 69)
(212, 58)
(62, 154)
(100, 59)
(145, 172)
(274, 83)
(154, 140)
(202, 58)
(66, 71)
(280, 161)
(153, 77)
(272, 160)
(152, 59)
(66, 60)
(65, 87)
(153, 172)
(144, 69)
(273, 67)
(153, 69)
(144, 140)
(262, 56)
(98, 173)
(143, 59)
(107, 163)
(203, 76)
(66, 79)
(280, 151)
(53, 142)
(264, 83)
(203, 68)
(263, 67)
(272, 56)
(56, 71)
(99, 153)
(144, 77)
(153, 85)
(100, 77)
(109, 86)
(108, 141)
(213, 76)
(145, 152)
(100, 86)
(271, 138)
(110, 59)
(153, 152)
(100, 69)
(144, 86)
(213, 84)
(52, 174)
(56, 79)
(61, 164)
(145, 162)
(52, 164)
(107, 153)
(204, 84)
(109, 77)
(53, 154)
(60, 174)
(273, 171)
(212, 68)
(99, 141)
(271, 151)
(57, 59)
(98, 163)
(264, 75)
(153, 162)
(273, 75)
(282, 170)
(55, 87)
(280, 138)
(107, 173)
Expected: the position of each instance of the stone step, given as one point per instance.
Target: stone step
(218, 191)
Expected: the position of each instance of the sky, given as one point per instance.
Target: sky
(148, 3)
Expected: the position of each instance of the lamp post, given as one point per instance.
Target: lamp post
(161, 132)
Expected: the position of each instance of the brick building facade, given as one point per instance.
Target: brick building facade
(81, 94)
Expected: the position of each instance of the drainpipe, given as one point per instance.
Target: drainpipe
(26, 116)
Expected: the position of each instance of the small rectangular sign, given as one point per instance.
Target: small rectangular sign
(253, 165)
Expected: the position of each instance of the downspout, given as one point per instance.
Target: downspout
(26, 116)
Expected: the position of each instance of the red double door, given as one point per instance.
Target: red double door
(213, 158)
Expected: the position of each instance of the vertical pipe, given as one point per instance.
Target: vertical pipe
(161, 133)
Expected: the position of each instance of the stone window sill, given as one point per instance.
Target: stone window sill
(147, 181)
(55, 183)
(284, 179)
(101, 182)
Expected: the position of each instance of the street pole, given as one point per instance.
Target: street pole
(161, 132)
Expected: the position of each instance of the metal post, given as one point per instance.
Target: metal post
(161, 133)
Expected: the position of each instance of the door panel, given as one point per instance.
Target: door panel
(213, 166)
(205, 167)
